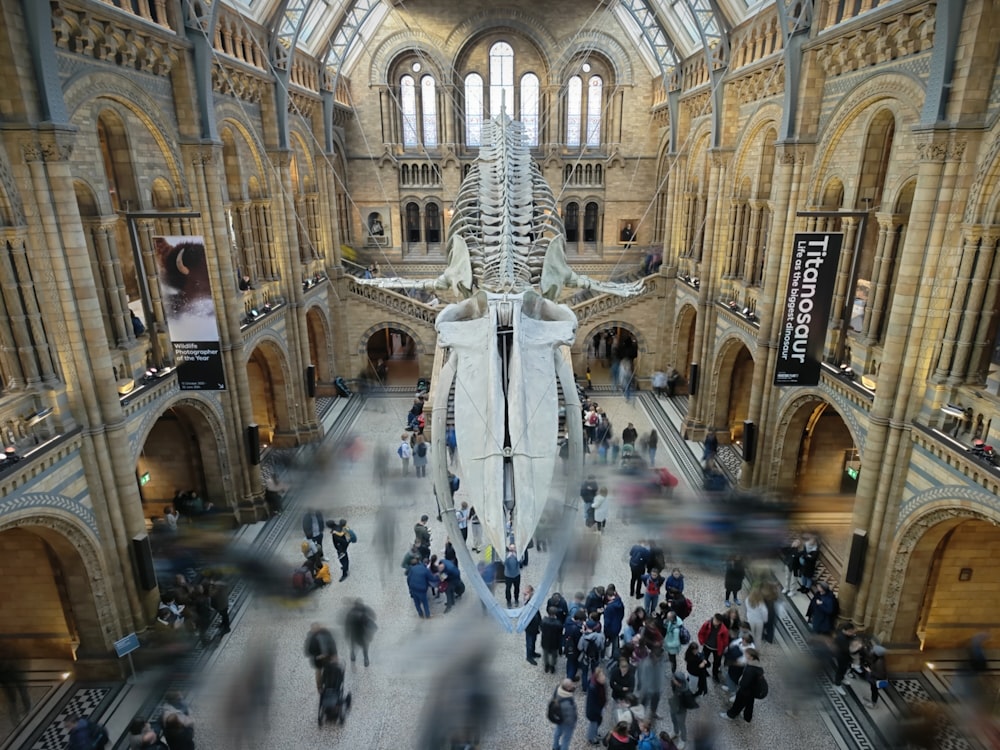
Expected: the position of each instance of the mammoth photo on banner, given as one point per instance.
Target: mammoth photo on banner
(182, 267)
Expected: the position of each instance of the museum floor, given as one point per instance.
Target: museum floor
(414, 676)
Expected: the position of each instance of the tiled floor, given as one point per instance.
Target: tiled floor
(419, 668)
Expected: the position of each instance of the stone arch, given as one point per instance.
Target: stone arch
(76, 548)
(86, 199)
(306, 182)
(582, 338)
(985, 189)
(687, 318)
(833, 193)
(201, 419)
(901, 93)
(942, 510)
(728, 358)
(466, 34)
(252, 145)
(89, 87)
(321, 348)
(162, 195)
(615, 56)
(769, 115)
(271, 391)
(405, 43)
(11, 210)
(419, 348)
(793, 414)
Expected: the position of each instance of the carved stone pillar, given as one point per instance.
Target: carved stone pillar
(16, 316)
(884, 225)
(973, 309)
(840, 290)
(103, 237)
(984, 332)
(753, 238)
(32, 312)
(145, 229)
(971, 237)
(881, 278)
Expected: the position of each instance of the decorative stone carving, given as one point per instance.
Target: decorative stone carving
(909, 32)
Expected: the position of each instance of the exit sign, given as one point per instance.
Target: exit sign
(144, 479)
(851, 472)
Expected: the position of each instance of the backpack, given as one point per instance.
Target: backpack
(762, 688)
(653, 587)
(98, 737)
(302, 579)
(593, 652)
(684, 636)
(351, 535)
(554, 710)
(422, 449)
(399, 451)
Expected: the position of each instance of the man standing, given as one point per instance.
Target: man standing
(462, 514)
(343, 536)
(320, 648)
(630, 435)
(567, 715)
(360, 626)
(404, 451)
(551, 628)
(531, 632)
(614, 616)
(418, 580)
(638, 558)
(588, 491)
(422, 537)
(312, 527)
(512, 574)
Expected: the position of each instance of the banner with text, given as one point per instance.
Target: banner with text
(807, 307)
(182, 267)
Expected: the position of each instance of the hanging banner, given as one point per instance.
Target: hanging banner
(807, 307)
(190, 311)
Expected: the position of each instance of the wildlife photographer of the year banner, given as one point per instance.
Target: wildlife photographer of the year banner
(190, 311)
(807, 307)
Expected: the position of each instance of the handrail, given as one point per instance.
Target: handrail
(392, 300)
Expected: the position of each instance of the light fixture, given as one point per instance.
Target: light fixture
(415, 67)
(66, 675)
(930, 665)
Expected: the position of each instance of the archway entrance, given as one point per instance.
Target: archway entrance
(180, 457)
(608, 347)
(392, 357)
(685, 346)
(319, 350)
(823, 477)
(732, 404)
(268, 393)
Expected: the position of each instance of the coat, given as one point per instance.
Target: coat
(622, 685)
(822, 613)
(597, 699)
(418, 579)
(601, 506)
(614, 615)
(672, 640)
(722, 638)
(552, 631)
(735, 573)
(650, 677)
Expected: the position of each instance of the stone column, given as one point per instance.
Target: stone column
(973, 309)
(984, 339)
(253, 269)
(33, 314)
(145, 229)
(887, 446)
(18, 320)
(971, 236)
(121, 321)
(753, 239)
(882, 278)
(840, 290)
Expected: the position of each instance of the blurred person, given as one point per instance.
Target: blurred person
(461, 704)
(563, 734)
(451, 443)
(384, 537)
(756, 614)
(790, 557)
(170, 518)
(512, 575)
(672, 637)
(360, 627)
(638, 559)
(141, 734)
(405, 453)
(588, 491)
(178, 731)
(597, 699)
(15, 687)
(590, 648)
(619, 738)
(614, 617)
(84, 734)
(713, 636)
(652, 442)
(808, 560)
(770, 592)
(711, 445)
(736, 573)
(675, 580)
(681, 701)
(733, 622)
(343, 536)
(823, 610)
(462, 515)
(746, 692)
(551, 628)
(477, 529)
(600, 508)
(572, 631)
(312, 527)
(634, 624)
(843, 641)
(320, 647)
(652, 585)
(649, 679)
(697, 666)
(218, 592)
(621, 680)
(418, 580)
(420, 451)
(874, 670)
(449, 552)
(247, 701)
(533, 628)
(734, 660)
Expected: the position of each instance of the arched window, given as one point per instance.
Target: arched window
(428, 103)
(595, 106)
(432, 221)
(574, 104)
(412, 222)
(572, 222)
(529, 108)
(501, 78)
(408, 104)
(590, 223)
(473, 109)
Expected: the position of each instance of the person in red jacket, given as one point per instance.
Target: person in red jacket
(714, 639)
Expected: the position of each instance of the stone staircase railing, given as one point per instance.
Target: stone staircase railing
(607, 303)
(391, 300)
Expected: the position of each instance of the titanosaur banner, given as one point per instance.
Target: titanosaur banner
(190, 312)
(807, 307)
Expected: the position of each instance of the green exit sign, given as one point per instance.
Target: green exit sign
(852, 473)
(144, 479)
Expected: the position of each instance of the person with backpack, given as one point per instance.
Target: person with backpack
(562, 713)
(681, 701)
(591, 647)
(572, 630)
(752, 687)
(674, 637)
(320, 647)
(420, 450)
(405, 452)
(343, 537)
(85, 734)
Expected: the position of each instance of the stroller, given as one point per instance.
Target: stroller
(334, 702)
(341, 385)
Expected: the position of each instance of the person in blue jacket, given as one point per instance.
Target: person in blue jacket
(454, 588)
(614, 616)
(418, 579)
(675, 580)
